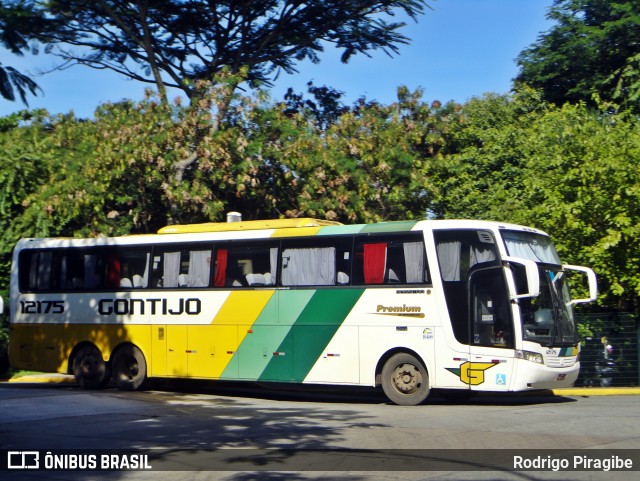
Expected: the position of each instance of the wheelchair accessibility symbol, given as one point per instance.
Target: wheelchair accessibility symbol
(501, 379)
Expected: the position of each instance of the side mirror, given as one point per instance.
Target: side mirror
(532, 274)
(593, 283)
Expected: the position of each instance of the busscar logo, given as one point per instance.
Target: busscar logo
(23, 460)
(427, 334)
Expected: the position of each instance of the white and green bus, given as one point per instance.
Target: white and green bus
(410, 306)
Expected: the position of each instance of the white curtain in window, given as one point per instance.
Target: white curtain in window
(414, 261)
(309, 267)
(147, 266)
(480, 254)
(273, 262)
(199, 268)
(138, 280)
(532, 250)
(449, 259)
(171, 269)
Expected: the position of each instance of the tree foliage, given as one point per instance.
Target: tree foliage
(568, 170)
(594, 48)
(18, 22)
(174, 43)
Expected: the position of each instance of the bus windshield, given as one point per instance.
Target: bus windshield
(548, 318)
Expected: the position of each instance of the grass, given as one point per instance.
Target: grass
(14, 374)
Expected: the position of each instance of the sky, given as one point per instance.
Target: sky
(459, 50)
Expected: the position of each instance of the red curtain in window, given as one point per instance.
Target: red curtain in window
(220, 276)
(375, 261)
(113, 271)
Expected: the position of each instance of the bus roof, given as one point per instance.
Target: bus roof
(274, 228)
(246, 225)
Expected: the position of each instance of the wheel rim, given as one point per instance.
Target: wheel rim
(89, 366)
(406, 378)
(130, 368)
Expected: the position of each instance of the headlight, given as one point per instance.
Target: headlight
(530, 356)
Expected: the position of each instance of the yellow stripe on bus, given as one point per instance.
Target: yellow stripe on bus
(300, 231)
(232, 322)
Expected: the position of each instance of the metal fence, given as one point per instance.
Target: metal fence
(609, 355)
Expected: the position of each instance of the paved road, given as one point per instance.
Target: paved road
(185, 426)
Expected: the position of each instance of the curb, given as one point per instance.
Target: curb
(597, 391)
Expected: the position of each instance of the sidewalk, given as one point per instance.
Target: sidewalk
(573, 391)
(44, 378)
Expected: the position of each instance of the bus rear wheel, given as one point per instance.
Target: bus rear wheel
(89, 369)
(129, 368)
(405, 380)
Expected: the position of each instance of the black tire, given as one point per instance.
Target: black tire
(129, 368)
(405, 380)
(89, 369)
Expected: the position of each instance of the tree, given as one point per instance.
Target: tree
(325, 107)
(481, 172)
(583, 187)
(594, 48)
(17, 23)
(174, 43)
(177, 43)
(39, 157)
(566, 170)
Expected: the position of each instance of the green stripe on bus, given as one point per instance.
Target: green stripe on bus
(329, 306)
(293, 302)
(268, 333)
(399, 226)
(315, 327)
(340, 230)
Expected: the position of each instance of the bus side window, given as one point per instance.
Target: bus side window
(309, 266)
(71, 278)
(134, 266)
(36, 270)
(316, 262)
(198, 272)
(175, 267)
(247, 265)
(463, 253)
(384, 260)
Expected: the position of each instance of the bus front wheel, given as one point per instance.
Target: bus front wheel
(89, 369)
(129, 368)
(405, 380)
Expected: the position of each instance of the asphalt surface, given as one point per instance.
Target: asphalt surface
(45, 378)
(199, 432)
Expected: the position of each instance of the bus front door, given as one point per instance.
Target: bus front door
(491, 332)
